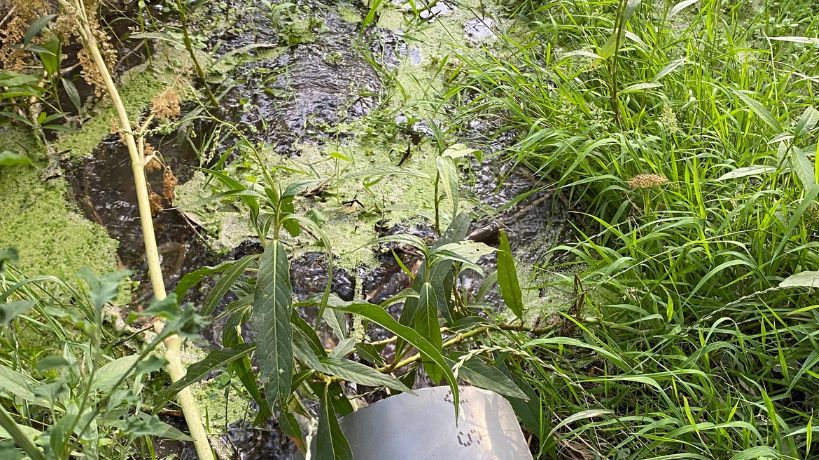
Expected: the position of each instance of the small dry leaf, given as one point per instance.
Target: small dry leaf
(156, 203)
(169, 183)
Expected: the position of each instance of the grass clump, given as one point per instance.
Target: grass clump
(688, 134)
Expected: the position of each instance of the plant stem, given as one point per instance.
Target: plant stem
(25, 443)
(173, 344)
(186, 38)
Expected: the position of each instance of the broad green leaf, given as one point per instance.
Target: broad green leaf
(226, 281)
(756, 452)
(747, 171)
(476, 372)
(377, 315)
(272, 305)
(330, 441)
(427, 324)
(108, 375)
(150, 425)
(12, 79)
(458, 151)
(467, 249)
(807, 122)
(641, 87)
(448, 174)
(808, 279)
(803, 168)
(609, 48)
(73, 93)
(14, 159)
(10, 310)
(27, 430)
(508, 277)
(676, 9)
(15, 384)
(760, 110)
(36, 26)
(361, 374)
(103, 289)
(191, 279)
(197, 371)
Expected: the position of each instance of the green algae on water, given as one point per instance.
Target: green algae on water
(49, 233)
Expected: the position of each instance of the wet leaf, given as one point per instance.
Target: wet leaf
(271, 315)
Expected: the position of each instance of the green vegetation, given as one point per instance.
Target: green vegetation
(676, 318)
(687, 134)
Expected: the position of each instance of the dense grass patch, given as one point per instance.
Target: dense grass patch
(689, 138)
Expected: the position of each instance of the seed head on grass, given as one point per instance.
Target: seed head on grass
(669, 119)
(647, 181)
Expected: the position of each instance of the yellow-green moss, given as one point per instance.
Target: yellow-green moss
(51, 236)
(348, 13)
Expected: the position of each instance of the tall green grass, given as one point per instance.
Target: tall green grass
(691, 149)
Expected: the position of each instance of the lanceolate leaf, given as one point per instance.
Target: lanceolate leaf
(224, 284)
(360, 374)
(195, 277)
(330, 441)
(271, 315)
(426, 323)
(508, 277)
(216, 359)
(479, 374)
(377, 315)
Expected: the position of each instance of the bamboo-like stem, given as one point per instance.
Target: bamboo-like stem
(173, 344)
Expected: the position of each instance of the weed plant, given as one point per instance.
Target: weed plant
(686, 132)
